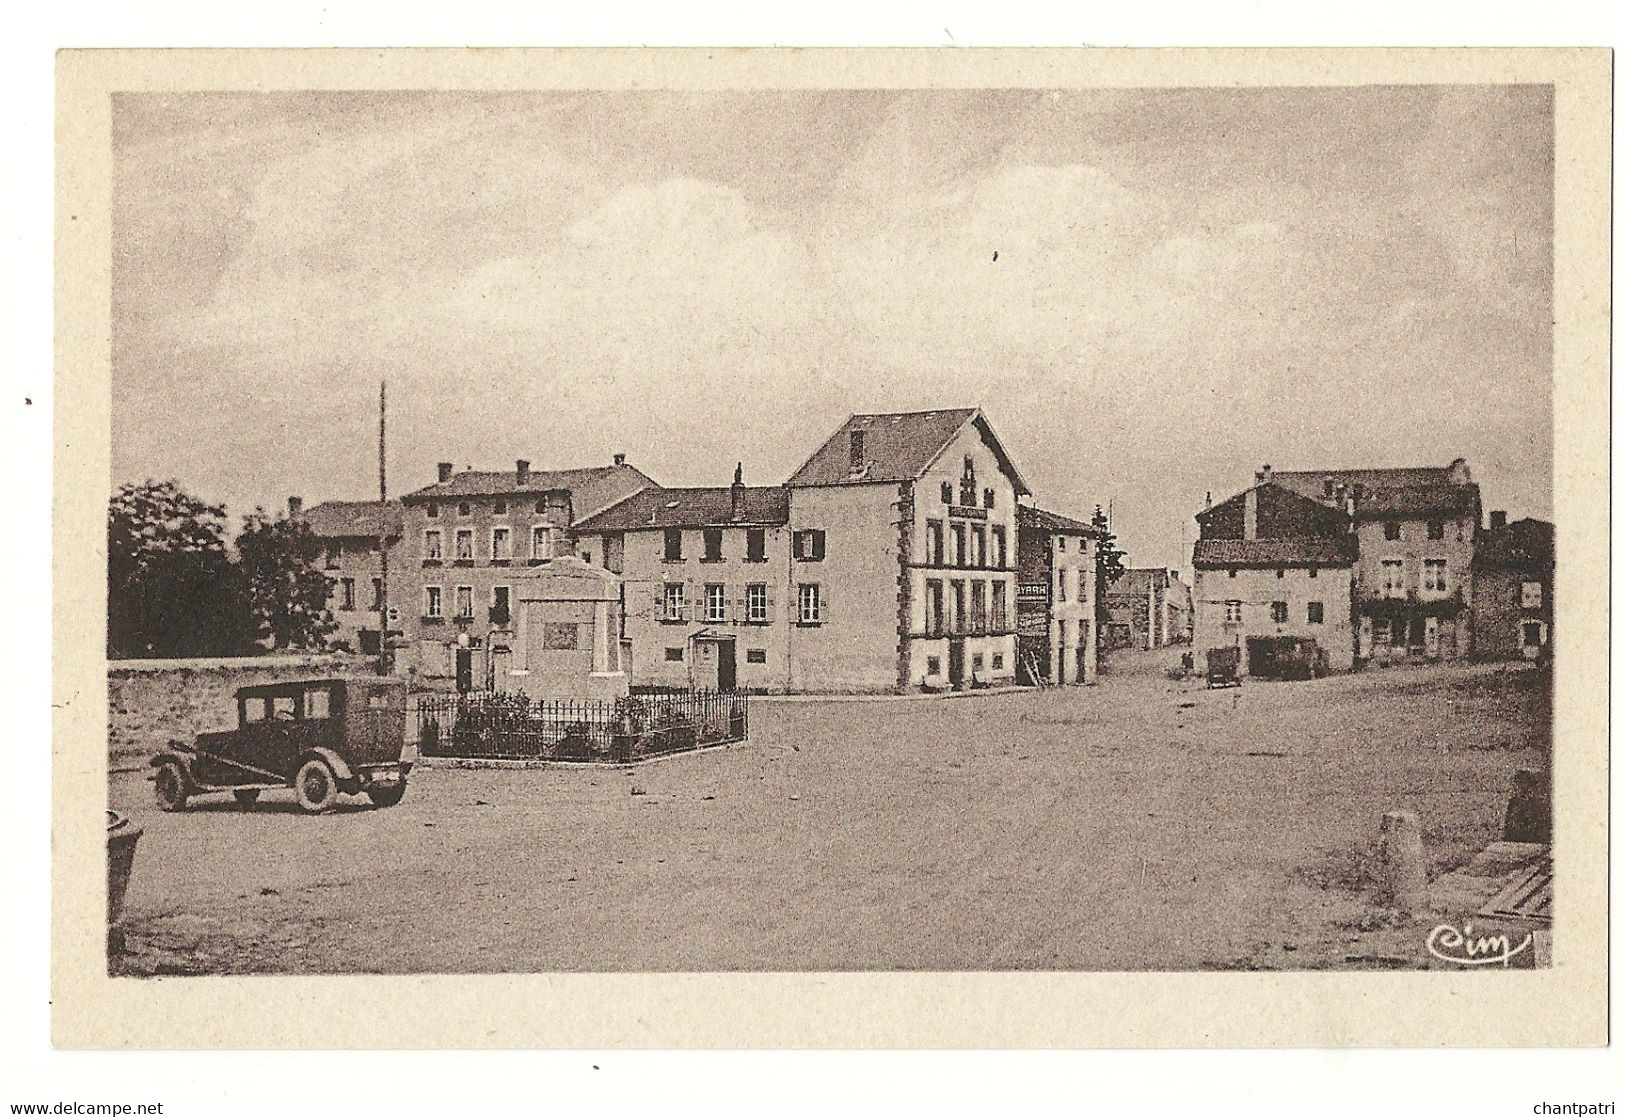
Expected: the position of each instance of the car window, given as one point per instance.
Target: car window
(253, 709)
(282, 707)
(316, 702)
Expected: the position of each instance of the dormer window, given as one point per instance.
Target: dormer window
(967, 484)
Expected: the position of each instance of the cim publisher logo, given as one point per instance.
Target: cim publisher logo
(1464, 948)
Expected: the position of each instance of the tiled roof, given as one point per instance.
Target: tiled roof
(1312, 482)
(663, 508)
(1043, 520)
(591, 490)
(503, 482)
(350, 519)
(1338, 550)
(1416, 501)
(896, 447)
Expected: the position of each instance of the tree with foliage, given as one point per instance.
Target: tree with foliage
(172, 589)
(1108, 567)
(281, 561)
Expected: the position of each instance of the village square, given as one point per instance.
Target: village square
(956, 737)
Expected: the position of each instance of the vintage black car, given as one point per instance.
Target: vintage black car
(321, 737)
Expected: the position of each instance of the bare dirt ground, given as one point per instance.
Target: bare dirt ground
(1145, 823)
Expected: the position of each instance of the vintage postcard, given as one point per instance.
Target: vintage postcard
(846, 548)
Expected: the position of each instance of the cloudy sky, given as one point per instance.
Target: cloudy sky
(1150, 293)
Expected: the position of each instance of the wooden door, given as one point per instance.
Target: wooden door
(706, 663)
(727, 668)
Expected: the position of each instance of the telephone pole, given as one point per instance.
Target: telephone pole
(383, 540)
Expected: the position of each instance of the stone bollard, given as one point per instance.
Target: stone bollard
(1405, 876)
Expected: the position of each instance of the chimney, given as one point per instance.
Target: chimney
(521, 471)
(1208, 504)
(620, 459)
(444, 471)
(855, 463)
(296, 505)
(1263, 475)
(1498, 520)
(736, 493)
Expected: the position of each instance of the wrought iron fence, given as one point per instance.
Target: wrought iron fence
(492, 725)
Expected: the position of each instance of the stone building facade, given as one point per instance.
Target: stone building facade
(1271, 563)
(1514, 571)
(1055, 598)
(350, 529)
(467, 539)
(1409, 536)
(706, 571)
(887, 562)
(916, 588)
(1150, 608)
(1417, 529)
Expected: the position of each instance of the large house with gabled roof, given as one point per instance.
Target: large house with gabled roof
(903, 565)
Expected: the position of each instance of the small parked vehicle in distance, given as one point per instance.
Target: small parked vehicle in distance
(321, 737)
(1223, 667)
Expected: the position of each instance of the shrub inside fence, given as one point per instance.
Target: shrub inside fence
(499, 726)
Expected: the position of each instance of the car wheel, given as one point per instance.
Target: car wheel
(387, 796)
(316, 787)
(246, 795)
(169, 788)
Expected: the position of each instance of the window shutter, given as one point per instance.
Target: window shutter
(769, 610)
(796, 545)
(818, 546)
(823, 602)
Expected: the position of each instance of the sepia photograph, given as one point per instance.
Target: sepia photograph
(984, 529)
(976, 501)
